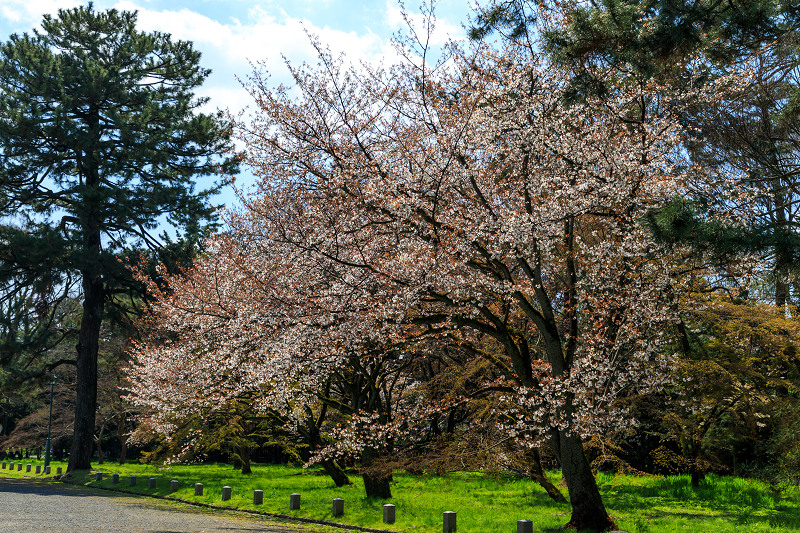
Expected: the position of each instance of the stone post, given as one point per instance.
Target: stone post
(47, 470)
(115, 479)
(524, 526)
(448, 522)
(98, 476)
(151, 483)
(198, 489)
(258, 497)
(388, 513)
(132, 481)
(4, 465)
(19, 467)
(58, 470)
(38, 469)
(173, 486)
(28, 467)
(294, 501)
(226, 493)
(338, 507)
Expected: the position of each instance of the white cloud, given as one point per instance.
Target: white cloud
(27, 14)
(229, 48)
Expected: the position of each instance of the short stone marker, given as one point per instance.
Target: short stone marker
(198, 489)
(38, 469)
(338, 507)
(173, 486)
(132, 481)
(115, 479)
(4, 465)
(19, 467)
(448, 522)
(226, 493)
(294, 501)
(258, 497)
(524, 526)
(151, 483)
(98, 476)
(47, 470)
(28, 467)
(58, 470)
(388, 513)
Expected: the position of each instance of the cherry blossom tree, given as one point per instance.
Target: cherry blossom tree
(460, 205)
(228, 333)
(468, 202)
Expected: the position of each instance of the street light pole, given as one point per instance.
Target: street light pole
(49, 425)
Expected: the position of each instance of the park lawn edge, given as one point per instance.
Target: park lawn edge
(661, 502)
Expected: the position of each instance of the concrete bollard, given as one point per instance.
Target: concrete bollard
(98, 476)
(28, 467)
(388, 513)
(294, 501)
(448, 522)
(524, 526)
(58, 470)
(47, 470)
(151, 483)
(258, 497)
(132, 481)
(38, 469)
(226, 493)
(115, 479)
(198, 489)
(173, 486)
(19, 467)
(338, 507)
(4, 465)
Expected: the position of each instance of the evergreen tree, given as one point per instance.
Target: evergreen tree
(101, 142)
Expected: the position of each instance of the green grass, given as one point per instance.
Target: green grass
(484, 502)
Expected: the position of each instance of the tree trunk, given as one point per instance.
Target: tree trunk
(376, 485)
(336, 473)
(98, 441)
(86, 385)
(588, 511)
(244, 455)
(376, 476)
(695, 471)
(538, 474)
(123, 440)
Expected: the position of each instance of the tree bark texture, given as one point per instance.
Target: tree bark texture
(588, 510)
(376, 485)
(244, 455)
(377, 477)
(123, 439)
(86, 384)
(538, 474)
(336, 473)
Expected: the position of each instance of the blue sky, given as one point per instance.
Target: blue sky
(233, 33)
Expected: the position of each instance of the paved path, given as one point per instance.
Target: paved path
(32, 506)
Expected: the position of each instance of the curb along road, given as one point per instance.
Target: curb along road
(39, 506)
(250, 512)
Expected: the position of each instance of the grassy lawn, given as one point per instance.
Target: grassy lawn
(484, 502)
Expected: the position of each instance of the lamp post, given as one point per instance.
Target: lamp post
(49, 425)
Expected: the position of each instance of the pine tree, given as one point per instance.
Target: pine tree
(101, 143)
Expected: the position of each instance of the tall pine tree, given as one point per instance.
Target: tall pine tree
(101, 144)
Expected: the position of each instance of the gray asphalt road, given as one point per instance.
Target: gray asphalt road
(31, 506)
